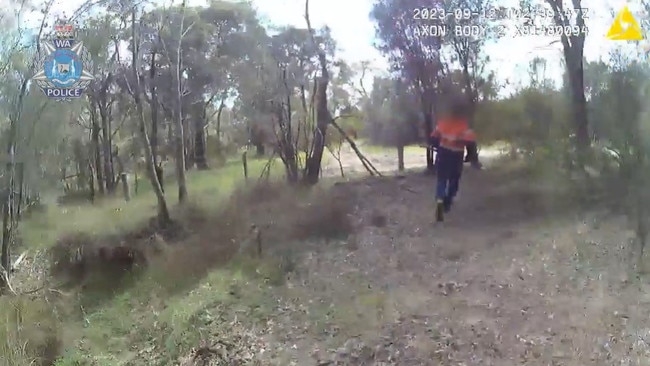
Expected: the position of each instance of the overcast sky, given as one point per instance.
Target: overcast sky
(354, 33)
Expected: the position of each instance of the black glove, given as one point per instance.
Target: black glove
(472, 153)
(434, 142)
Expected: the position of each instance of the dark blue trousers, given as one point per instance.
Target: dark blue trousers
(449, 169)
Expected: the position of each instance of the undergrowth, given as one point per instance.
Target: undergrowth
(151, 311)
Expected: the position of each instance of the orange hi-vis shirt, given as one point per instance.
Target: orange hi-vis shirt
(453, 134)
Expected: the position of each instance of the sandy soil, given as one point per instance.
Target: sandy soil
(508, 279)
(385, 161)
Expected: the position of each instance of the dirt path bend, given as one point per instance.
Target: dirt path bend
(508, 279)
(384, 160)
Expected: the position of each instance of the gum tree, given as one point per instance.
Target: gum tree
(413, 50)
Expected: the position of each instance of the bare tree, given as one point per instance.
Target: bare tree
(323, 116)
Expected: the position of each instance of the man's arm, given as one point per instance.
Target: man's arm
(472, 152)
(469, 137)
(434, 138)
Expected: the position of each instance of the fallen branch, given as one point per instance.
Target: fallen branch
(29, 292)
(366, 163)
(266, 171)
(19, 260)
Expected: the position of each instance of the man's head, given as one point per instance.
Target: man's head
(458, 108)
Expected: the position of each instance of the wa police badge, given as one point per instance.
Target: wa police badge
(64, 66)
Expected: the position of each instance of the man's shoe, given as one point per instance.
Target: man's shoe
(447, 204)
(440, 209)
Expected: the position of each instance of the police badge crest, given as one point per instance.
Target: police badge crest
(64, 66)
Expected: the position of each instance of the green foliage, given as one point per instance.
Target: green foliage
(528, 120)
(622, 100)
(392, 113)
(116, 216)
(625, 144)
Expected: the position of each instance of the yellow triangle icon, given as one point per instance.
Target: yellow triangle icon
(625, 27)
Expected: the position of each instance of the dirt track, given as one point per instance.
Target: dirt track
(384, 161)
(508, 279)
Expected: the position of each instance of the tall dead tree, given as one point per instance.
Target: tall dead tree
(323, 116)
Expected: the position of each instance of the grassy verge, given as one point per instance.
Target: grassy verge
(193, 292)
(114, 216)
(149, 323)
(34, 328)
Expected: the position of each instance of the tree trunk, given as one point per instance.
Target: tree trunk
(8, 209)
(80, 160)
(161, 176)
(183, 148)
(579, 102)
(125, 187)
(323, 116)
(5, 257)
(96, 146)
(109, 176)
(154, 108)
(400, 158)
(180, 137)
(219, 113)
(21, 185)
(259, 149)
(123, 177)
(284, 140)
(91, 182)
(188, 143)
(573, 47)
(136, 182)
(199, 145)
(428, 129)
(244, 161)
(163, 212)
(170, 138)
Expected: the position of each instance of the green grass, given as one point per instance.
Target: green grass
(162, 315)
(146, 313)
(165, 325)
(115, 215)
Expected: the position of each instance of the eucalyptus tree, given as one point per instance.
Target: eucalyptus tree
(217, 38)
(414, 55)
(17, 66)
(572, 16)
(101, 38)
